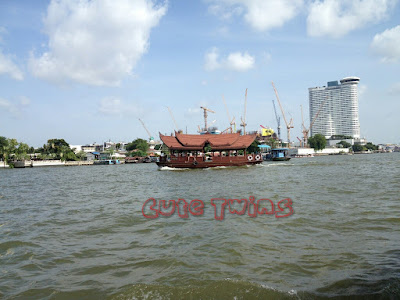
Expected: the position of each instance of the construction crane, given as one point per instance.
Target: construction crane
(148, 132)
(305, 130)
(231, 121)
(301, 142)
(173, 119)
(243, 124)
(278, 120)
(288, 125)
(205, 116)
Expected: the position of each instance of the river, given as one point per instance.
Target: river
(80, 232)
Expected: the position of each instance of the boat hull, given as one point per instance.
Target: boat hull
(206, 164)
(281, 158)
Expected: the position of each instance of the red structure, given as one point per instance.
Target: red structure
(208, 150)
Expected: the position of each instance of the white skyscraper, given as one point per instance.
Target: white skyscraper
(339, 110)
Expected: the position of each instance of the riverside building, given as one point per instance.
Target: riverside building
(338, 105)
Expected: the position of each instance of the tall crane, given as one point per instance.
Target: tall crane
(205, 116)
(278, 120)
(148, 132)
(288, 125)
(231, 121)
(243, 123)
(173, 119)
(305, 130)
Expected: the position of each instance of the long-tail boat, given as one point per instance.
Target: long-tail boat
(208, 150)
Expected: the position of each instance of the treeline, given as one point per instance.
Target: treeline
(11, 150)
(366, 147)
(59, 149)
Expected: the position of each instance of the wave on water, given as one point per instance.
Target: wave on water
(173, 169)
(221, 289)
(239, 289)
(278, 164)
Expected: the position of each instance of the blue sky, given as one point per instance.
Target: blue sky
(86, 70)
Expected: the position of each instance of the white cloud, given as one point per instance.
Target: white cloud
(362, 90)
(235, 61)
(7, 106)
(95, 42)
(262, 15)
(211, 60)
(15, 109)
(336, 18)
(7, 66)
(387, 44)
(112, 106)
(240, 62)
(395, 89)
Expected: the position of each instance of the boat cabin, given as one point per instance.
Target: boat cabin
(280, 154)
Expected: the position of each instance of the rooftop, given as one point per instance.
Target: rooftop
(228, 141)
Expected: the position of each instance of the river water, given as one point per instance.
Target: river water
(79, 232)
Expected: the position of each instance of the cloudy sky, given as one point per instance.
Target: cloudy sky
(87, 70)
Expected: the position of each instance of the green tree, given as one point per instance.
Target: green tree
(253, 148)
(138, 144)
(273, 143)
(138, 153)
(344, 144)
(358, 148)
(58, 149)
(318, 142)
(3, 148)
(81, 155)
(22, 151)
(371, 146)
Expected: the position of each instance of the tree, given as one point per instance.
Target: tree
(138, 144)
(3, 148)
(253, 148)
(273, 143)
(21, 151)
(81, 155)
(318, 142)
(358, 148)
(344, 144)
(58, 149)
(138, 153)
(371, 146)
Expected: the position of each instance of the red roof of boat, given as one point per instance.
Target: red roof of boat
(227, 141)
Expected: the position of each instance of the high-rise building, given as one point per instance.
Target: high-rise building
(338, 108)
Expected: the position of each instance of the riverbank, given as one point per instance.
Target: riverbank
(52, 163)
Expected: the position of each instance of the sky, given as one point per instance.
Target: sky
(86, 70)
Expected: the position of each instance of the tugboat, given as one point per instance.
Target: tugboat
(208, 150)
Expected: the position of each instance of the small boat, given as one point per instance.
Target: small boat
(280, 154)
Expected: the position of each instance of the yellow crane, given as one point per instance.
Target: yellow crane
(231, 121)
(305, 130)
(173, 119)
(205, 116)
(288, 125)
(148, 132)
(243, 124)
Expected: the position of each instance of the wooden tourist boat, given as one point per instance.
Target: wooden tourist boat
(208, 150)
